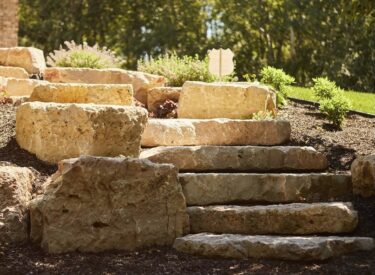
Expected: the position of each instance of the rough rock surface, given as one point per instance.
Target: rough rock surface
(95, 204)
(56, 131)
(16, 72)
(239, 158)
(213, 188)
(173, 132)
(18, 86)
(274, 247)
(15, 194)
(142, 82)
(31, 59)
(224, 100)
(363, 176)
(292, 219)
(159, 95)
(114, 94)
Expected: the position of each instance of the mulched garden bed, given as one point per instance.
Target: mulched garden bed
(308, 129)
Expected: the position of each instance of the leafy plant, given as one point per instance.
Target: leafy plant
(279, 80)
(324, 88)
(4, 98)
(336, 108)
(263, 115)
(83, 56)
(177, 70)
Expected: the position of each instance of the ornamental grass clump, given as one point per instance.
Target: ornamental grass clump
(278, 80)
(83, 56)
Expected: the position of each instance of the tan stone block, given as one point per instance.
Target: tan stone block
(18, 86)
(15, 72)
(363, 176)
(31, 59)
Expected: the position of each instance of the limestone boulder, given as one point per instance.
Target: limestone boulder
(95, 204)
(56, 131)
(15, 194)
(14, 72)
(363, 176)
(114, 94)
(273, 247)
(175, 132)
(157, 96)
(282, 219)
(31, 59)
(18, 86)
(224, 100)
(142, 82)
(239, 158)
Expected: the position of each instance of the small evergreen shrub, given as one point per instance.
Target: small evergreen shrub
(324, 88)
(336, 108)
(263, 115)
(279, 80)
(83, 56)
(177, 70)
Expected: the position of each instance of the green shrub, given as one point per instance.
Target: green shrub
(177, 70)
(83, 56)
(279, 80)
(324, 88)
(263, 115)
(336, 108)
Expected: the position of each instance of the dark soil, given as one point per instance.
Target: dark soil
(308, 129)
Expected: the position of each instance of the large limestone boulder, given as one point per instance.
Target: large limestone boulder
(14, 72)
(239, 158)
(282, 219)
(56, 131)
(95, 204)
(18, 86)
(175, 132)
(15, 194)
(363, 176)
(142, 82)
(31, 59)
(224, 100)
(115, 94)
(159, 95)
(274, 247)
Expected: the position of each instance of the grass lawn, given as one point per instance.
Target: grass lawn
(364, 102)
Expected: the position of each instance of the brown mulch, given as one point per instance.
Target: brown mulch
(308, 129)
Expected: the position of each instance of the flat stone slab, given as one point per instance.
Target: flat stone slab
(239, 158)
(282, 219)
(19, 86)
(16, 72)
(57, 131)
(224, 100)
(113, 94)
(31, 59)
(174, 132)
(214, 188)
(273, 247)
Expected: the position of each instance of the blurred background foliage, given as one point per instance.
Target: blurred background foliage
(306, 38)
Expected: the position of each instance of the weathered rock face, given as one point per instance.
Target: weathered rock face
(157, 96)
(363, 176)
(15, 72)
(142, 82)
(239, 158)
(114, 94)
(55, 131)
(18, 86)
(174, 132)
(224, 100)
(293, 219)
(15, 194)
(213, 188)
(274, 247)
(95, 204)
(31, 59)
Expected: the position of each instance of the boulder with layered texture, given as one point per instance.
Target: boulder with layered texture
(16, 72)
(31, 59)
(116, 94)
(142, 82)
(224, 100)
(95, 204)
(363, 176)
(56, 131)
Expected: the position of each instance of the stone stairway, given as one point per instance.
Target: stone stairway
(255, 201)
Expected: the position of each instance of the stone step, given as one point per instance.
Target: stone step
(19, 86)
(226, 188)
(239, 158)
(274, 247)
(174, 132)
(283, 219)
